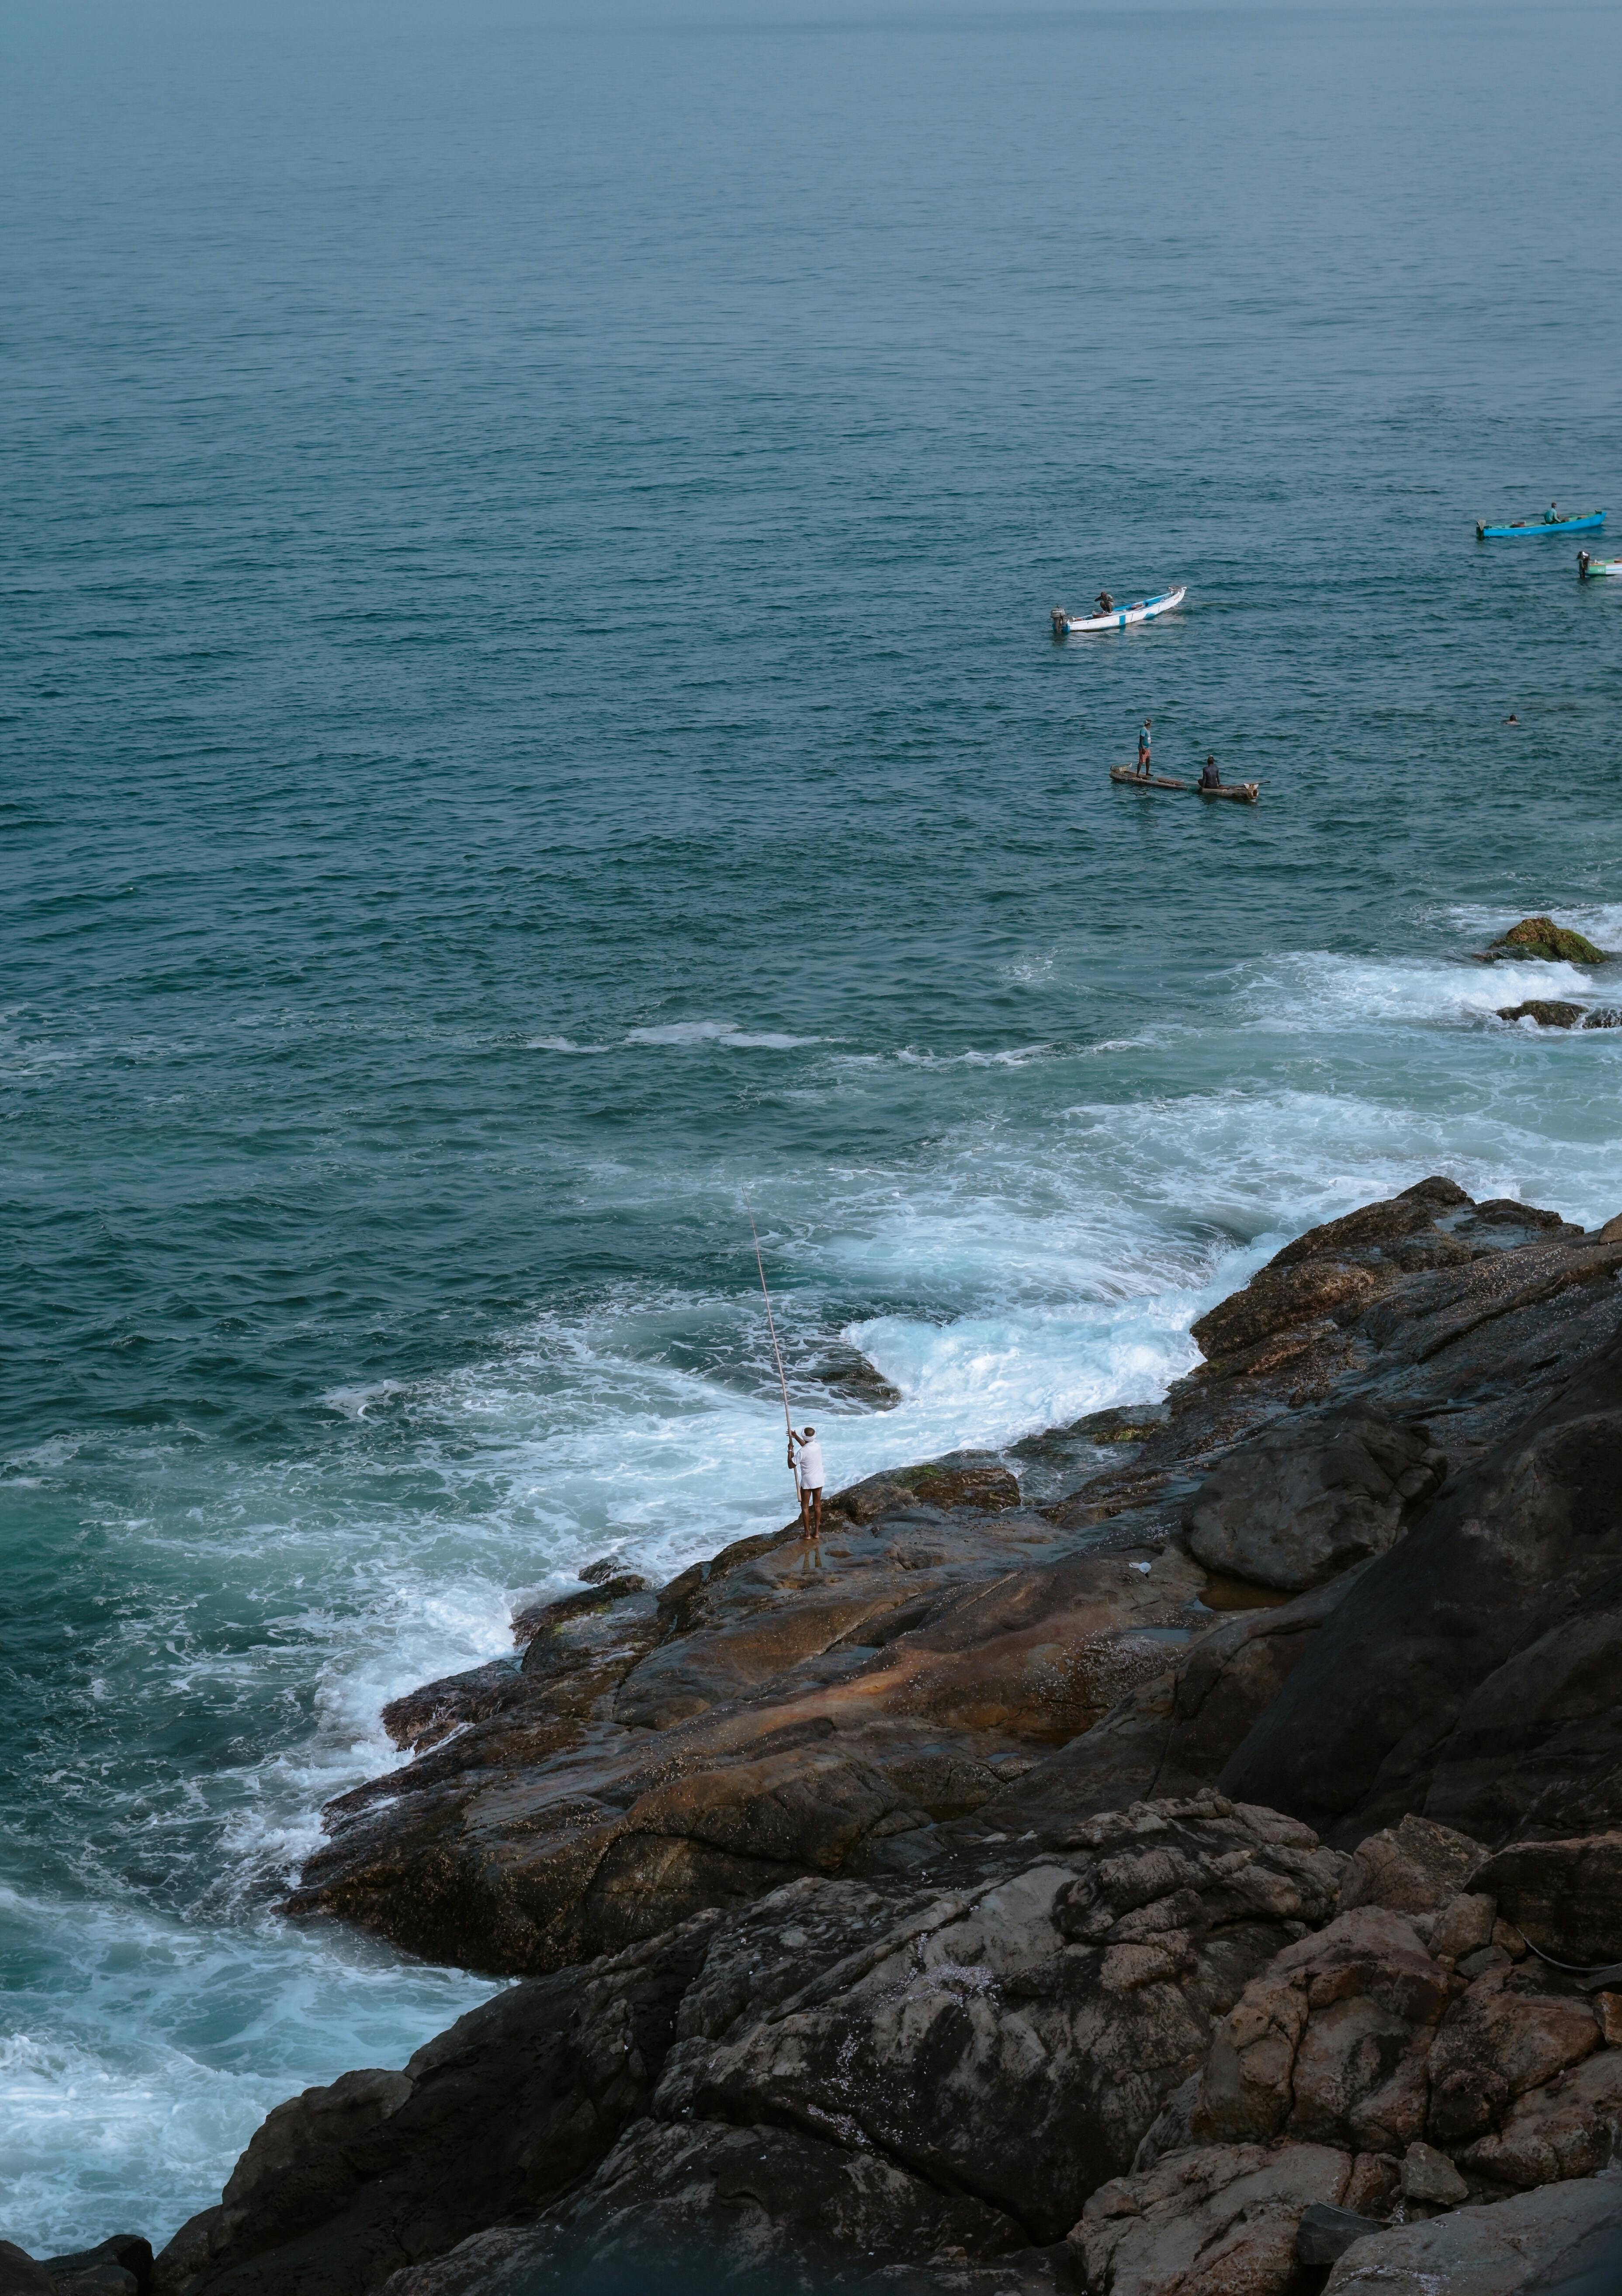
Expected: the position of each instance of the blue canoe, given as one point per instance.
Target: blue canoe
(1544, 525)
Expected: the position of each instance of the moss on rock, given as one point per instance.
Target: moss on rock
(1541, 937)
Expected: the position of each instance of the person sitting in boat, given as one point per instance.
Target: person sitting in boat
(1106, 603)
(1552, 516)
(1210, 778)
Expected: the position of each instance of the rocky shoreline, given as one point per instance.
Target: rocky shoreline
(1204, 1884)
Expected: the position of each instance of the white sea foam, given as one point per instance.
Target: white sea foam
(718, 1032)
(1012, 1276)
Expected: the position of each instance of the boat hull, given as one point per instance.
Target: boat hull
(1597, 567)
(1520, 526)
(1120, 618)
(1236, 793)
(1130, 775)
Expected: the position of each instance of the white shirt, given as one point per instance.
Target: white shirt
(809, 1463)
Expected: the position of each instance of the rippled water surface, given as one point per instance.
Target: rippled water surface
(529, 725)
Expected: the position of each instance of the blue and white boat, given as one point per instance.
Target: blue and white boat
(1143, 610)
(1547, 524)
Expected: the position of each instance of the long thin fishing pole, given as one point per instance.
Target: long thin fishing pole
(772, 1327)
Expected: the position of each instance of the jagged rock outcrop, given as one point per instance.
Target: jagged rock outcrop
(1516, 1550)
(1152, 2049)
(1147, 1890)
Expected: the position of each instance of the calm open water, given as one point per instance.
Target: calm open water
(528, 721)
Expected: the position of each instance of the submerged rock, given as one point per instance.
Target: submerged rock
(1550, 1013)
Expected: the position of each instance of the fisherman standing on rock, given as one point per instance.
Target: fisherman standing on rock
(808, 1474)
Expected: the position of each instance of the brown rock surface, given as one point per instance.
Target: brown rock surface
(901, 1903)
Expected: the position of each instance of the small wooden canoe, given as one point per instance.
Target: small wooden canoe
(1145, 780)
(1544, 525)
(1239, 793)
(1143, 610)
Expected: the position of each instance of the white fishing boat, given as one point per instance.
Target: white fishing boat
(1118, 618)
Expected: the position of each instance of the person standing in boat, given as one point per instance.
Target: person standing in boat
(1144, 738)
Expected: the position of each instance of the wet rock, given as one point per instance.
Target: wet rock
(843, 1370)
(1301, 1502)
(779, 1733)
(1222, 2217)
(1540, 937)
(1498, 2250)
(601, 1592)
(1548, 1013)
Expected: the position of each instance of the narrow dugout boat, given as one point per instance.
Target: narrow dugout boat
(1544, 525)
(1118, 618)
(1237, 792)
(1146, 780)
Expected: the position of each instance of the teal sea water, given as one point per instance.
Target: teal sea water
(529, 724)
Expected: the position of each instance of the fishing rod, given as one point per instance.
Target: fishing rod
(775, 1349)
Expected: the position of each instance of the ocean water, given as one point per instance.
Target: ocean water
(530, 729)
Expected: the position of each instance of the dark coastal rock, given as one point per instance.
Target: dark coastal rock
(1300, 1502)
(895, 1910)
(1564, 1897)
(1175, 1734)
(753, 2207)
(599, 1594)
(120, 2266)
(1541, 938)
(1548, 1011)
(1326, 2232)
(498, 2116)
(1519, 1542)
(1547, 2242)
(20, 2275)
(1103, 1966)
(793, 1719)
